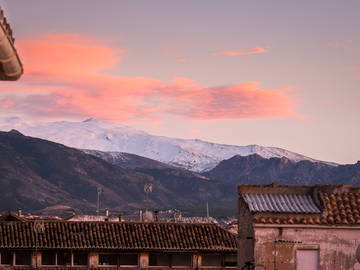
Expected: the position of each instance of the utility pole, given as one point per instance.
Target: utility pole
(99, 191)
(207, 209)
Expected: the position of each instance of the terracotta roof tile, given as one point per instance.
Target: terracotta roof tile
(119, 235)
(339, 206)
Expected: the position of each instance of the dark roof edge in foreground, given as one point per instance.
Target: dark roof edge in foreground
(11, 67)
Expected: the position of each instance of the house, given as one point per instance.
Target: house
(299, 227)
(10, 65)
(54, 244)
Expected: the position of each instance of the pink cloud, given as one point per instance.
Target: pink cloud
(256, 50)
(246, 100)
(67, 76)
(340, 44)
(182, 60)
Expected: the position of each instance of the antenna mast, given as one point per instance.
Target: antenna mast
(207, 209)
(98, 191)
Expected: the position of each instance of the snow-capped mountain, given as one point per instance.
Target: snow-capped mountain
(195, 155)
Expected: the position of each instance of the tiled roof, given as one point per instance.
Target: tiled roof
(72, 268)
(80, 268)
(6, 26)
(197, 220)
(337, 205)
(115, 235)
(342, 208)
(10, 65)
(93, 218)
(281, 203)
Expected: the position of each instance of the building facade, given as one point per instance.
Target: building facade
(114, 245)
(299, 227)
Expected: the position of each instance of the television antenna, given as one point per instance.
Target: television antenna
(148, 188)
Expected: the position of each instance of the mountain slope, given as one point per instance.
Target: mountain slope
(36, 173)
(195, 155)
(255, 169)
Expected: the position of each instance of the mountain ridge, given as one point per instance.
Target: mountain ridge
(36, 173)
(254, 169)
(191, 154)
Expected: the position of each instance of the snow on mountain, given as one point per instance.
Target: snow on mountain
(195, 155)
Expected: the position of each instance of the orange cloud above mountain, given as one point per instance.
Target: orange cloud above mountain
(67, 76)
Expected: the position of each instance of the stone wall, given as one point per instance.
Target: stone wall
(245, 234)
(275, 247)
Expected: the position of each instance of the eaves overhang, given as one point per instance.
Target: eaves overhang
(11, 67)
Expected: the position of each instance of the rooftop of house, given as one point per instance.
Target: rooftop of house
(17, 232)
(317, 205)
(77, 217)
(10, 65)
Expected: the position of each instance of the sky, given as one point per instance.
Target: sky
(274, 73)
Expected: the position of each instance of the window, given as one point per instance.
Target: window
(80, 258)
(23, 258)
(5, 257)
(159, 259)
(170, 259)
(181, 259)
(307, 259)
(230, 260)
(128, 259)
(107, 259)
(48, 258)
(211, 260)
(219, 260)
(64, 258)
(118, 259)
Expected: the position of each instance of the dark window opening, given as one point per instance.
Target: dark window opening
(159, 259)
(128, 259)
(22, 258)
(64, 258)
(107, 259)
(80, 258)
(6, 257)
(181, 259)
(230, 260)
(48, 258)
(211, 260)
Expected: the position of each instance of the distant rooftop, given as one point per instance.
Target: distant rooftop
(284, 203)
(94, 218)
(151, 236)
(318, 204)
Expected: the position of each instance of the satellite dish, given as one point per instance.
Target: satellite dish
(358, 254)
(148, 188)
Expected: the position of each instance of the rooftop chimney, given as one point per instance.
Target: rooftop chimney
(107, 212)
(19, 212)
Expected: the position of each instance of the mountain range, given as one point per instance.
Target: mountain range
(38, 174)
(195, 155)
(255, 169)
